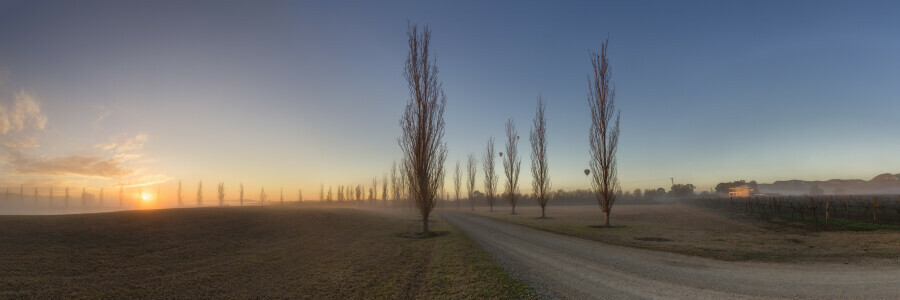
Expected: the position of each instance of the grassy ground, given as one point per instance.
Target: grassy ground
(696, 231)
(241, 253)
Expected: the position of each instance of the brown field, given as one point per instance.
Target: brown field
(692, 230)
(242, 252)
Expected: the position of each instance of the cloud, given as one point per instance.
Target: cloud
(25, 113)
(133, 144)
(127, 145)
(103, 114)
(106, 147)
(19, 120)
(19, 142)
(145, 180)
(78, 165)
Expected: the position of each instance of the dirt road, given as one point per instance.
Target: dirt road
(567, 267)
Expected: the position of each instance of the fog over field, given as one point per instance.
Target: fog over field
(453, 150)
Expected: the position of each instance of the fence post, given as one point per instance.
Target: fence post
(774, 212)
(875, 209)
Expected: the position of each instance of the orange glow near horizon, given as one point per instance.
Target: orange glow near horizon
(146, 201)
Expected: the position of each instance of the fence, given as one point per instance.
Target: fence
(882, 209)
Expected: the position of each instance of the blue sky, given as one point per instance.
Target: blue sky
(298, 94)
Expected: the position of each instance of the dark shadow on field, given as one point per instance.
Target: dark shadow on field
(420, 235)
(606, 227)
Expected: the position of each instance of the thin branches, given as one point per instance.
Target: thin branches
(456, 183)
(471, 169)
(422, 125)
(490, 176)
(604, 133)
(540, 183)
(512, 164)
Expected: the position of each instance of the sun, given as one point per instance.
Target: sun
(145, 197)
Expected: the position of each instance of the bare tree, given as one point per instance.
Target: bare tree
(470, 182)
(604, 134)
(512, 165)
(241, 193)
(373, 193)
(221, 193)
(540, 183)
(456, 180)
(490, 176)
(395, 183)
(423, 124)
(200, 193)
(445, 197)
(281, 197)
(329, 193)
(340, 194)
(358, 193)
(384, 189)
(405, 186)
(262, 196)
(299, 196)
(180, 194)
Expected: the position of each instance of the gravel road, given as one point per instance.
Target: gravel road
(560, 266)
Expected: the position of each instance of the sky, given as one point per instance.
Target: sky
(297, 94)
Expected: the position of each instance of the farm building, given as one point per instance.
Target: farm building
(741, 191)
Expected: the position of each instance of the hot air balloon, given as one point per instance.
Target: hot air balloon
(587, 171)
(501, 154)
(517, 137)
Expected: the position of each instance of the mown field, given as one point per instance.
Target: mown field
(242, 253)
(712, 233)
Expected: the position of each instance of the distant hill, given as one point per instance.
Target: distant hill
(882, 184)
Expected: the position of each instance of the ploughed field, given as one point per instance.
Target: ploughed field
(243, 252)
(710, 232)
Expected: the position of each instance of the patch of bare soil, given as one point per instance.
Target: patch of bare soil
(240, 253)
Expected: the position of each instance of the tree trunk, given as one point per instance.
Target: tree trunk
(543, 216)
(607, 219)
(425, 229)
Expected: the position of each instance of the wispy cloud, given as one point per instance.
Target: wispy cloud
(143, 180)
(114, 163)
(19, 120)
(24, 113)
(123, 144)
(133, 144)
(98, 122)
(78, 165)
